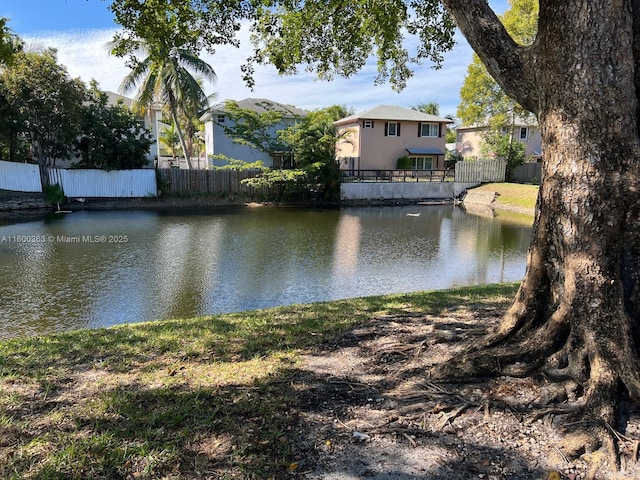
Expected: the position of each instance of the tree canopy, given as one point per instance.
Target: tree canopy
(10, 43)
(482, 100)
(289, 34)
(47, 115)
(429, 107)
(43, 103)
(112, 137)
(258, 129)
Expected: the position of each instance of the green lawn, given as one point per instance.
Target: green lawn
(513, 195)
(186, 398)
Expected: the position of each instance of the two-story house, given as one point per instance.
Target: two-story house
(377, 138)
(470, 139)
(217, 142)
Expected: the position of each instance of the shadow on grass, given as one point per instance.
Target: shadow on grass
(216, 397)
(223, 337)
(266, 429)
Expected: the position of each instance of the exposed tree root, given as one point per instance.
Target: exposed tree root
(449, 417)
(578, 366)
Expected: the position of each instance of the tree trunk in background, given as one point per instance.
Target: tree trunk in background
(183, 145)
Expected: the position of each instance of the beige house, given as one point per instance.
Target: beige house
(377, 138)
(469, 140)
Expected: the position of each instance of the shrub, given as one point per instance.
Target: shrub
(404, 163)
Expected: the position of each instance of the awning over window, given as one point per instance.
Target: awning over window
(424, 151)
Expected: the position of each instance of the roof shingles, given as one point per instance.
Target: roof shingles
(393, 113)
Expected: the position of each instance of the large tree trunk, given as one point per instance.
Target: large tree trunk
(576, 317)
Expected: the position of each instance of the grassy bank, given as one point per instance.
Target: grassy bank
(211, 397)
(513, 196)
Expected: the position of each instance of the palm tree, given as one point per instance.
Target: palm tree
(164, 75)
(170, 140)
(431, 108)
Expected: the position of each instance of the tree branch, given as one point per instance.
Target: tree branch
(506, 61)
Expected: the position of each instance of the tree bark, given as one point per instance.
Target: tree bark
(576, 317)
(174, 115)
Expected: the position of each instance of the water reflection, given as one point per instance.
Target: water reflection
(91, 269)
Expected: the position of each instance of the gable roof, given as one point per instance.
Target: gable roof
(113, 98)
(517, 121)
(262, 105)
(393, 113)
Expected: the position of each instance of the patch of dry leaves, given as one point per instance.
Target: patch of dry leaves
(369, 412)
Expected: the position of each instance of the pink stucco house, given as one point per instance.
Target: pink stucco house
(377, 138)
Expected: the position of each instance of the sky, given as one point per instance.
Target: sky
(80, 30)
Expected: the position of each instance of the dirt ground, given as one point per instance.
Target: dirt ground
(371, 413)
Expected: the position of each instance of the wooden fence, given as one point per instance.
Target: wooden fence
(481, 170)
(527, 173)
(228, 182)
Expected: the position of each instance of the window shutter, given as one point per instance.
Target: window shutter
(440, 129)
(419, 129)
(372, 123)
(398, 129)
(386, 128)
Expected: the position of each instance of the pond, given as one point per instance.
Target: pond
(101, 268)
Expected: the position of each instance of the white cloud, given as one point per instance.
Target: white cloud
(85, 55)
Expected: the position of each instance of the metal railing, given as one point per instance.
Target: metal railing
(398, 175)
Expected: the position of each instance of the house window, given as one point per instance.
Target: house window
(282, 160)
(220, 118)
(421, 163)
(524, 131)
(368, 124)
(429, 130)
(392, 129)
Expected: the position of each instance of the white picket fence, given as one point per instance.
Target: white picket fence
(98, 183)
(20, 177)
(481, 170)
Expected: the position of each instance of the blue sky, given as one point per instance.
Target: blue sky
(35, 16)
(80, 29)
